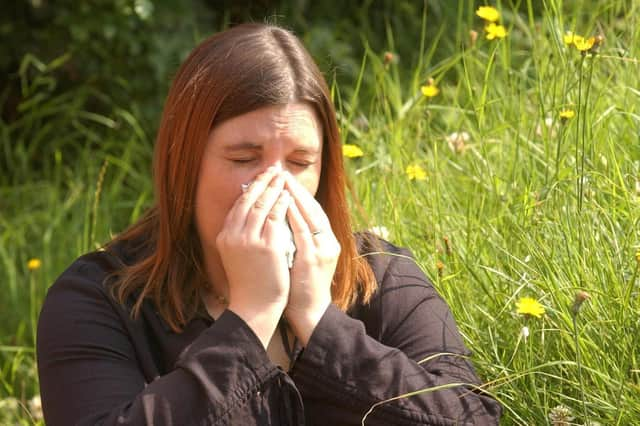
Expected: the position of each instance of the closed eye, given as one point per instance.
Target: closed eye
(301, 163)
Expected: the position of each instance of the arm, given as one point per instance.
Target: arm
(90, 372)
(343, 371)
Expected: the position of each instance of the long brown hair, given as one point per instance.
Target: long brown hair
(231, 73)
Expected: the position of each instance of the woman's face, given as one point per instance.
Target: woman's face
(286, 136)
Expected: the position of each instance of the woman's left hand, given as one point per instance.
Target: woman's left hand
(317, 251)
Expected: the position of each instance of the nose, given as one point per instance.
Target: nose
(276, 162)
(278, 165)
(268, 165)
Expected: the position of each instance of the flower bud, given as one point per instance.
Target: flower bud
(580, 298)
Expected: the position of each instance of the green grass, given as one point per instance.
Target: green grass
(526, 209)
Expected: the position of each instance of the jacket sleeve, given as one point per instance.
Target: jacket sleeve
(89, 373)
(344, 371)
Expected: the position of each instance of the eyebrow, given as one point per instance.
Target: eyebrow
(251, 146)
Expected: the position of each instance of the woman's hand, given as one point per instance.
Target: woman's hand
(314, 264)
(251, 246)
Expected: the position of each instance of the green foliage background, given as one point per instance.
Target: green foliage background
(532, 206)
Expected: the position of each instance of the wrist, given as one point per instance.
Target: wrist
(262, 322)
(303, 323)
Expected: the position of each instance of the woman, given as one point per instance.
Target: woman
(194, 316)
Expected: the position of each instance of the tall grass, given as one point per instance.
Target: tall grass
(529, 205)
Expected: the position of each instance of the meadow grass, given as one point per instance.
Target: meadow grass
(516, 201)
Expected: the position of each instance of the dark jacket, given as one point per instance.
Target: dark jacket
(97, 365)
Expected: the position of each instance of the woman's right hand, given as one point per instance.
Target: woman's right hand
(251, 245)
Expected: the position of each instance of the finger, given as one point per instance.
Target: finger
(263, 206)
(277, 215)
(237, 216)
(301, 232)
(309, 208)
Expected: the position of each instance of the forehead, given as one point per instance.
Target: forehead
(295, 122)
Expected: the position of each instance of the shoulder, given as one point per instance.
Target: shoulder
(400, 282)
(91, 270)
(406, 307)
(79, 317)
(387, 261)
(84, 286)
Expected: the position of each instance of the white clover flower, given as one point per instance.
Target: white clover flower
(560, 415)
(457, 141)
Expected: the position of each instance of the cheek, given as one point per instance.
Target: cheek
(215, 195)
(310, 179)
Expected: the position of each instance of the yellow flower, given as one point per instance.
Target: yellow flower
(430, 90)
(581, 43)
(351, 151)
(488, 13)
(529, 306)
(568, 38)
(584, 44)
(566, 114)
(638, 256)
(415, 172)
(34, 264)
(495, 31)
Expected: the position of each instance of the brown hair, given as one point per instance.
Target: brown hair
(231, 73)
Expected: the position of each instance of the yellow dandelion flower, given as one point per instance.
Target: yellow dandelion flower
(415, 172)
(430, 90)
(351, 151)
(34, 264)
(584, 44)
(638, 256)
(495, 31)
(567, 114)
(488, 13)
(530, 307)
(568, 38)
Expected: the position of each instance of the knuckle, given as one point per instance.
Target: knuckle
(245, 198)
(326, 256)
(249, 243)
(262, 249)
(274, 215)
(259, 204)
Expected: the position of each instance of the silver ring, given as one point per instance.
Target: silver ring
(314, 233)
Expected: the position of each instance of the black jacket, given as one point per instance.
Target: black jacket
(99, 366)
